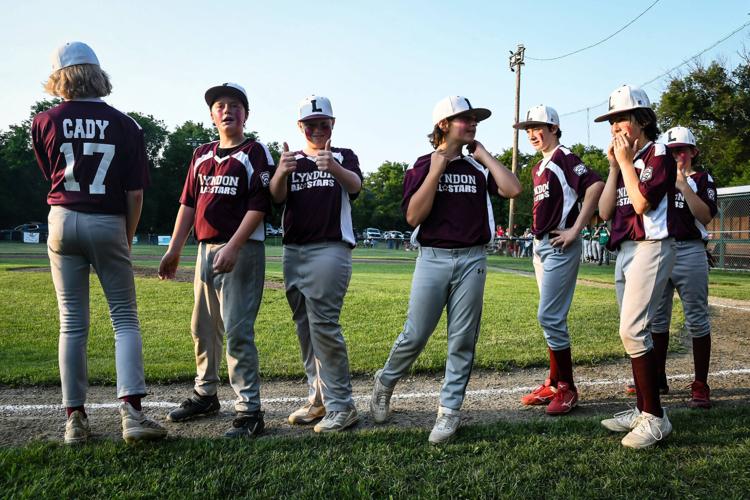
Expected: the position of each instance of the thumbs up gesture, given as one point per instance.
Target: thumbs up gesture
(287, 162)
(325, 160)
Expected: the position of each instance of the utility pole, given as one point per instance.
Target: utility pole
(516, 61)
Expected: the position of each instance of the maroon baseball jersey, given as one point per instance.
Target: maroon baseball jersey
(682, 224)
(657, 172)
(92, 153)
(222, 189)
(317, 208)
(461, 214)
(560, 181)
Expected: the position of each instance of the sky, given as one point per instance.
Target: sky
(383, 64)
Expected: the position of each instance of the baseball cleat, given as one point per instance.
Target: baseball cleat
(194, 407)
(565, 399)
(647, 431)
(542, 395)
(138, 427)
(307, 414)
(77, 428)
(446, 425)
(246, 425)
(623, 421)
(380, 402)
(700, 395)
(335, 421)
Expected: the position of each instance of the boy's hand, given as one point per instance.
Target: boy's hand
(168, 265)
(287, 162)
(225, 259)
(325, 160)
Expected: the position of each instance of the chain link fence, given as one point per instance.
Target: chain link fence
(730, 229)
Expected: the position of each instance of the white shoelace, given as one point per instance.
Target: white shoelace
(645, 421)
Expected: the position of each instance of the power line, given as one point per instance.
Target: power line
(597, 43)
(686, 61)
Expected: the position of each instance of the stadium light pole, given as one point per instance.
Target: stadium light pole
(516, 61)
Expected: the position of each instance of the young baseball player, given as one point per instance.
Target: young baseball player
(95, 158)
(635, 198)
(446, 198)
(691, 208)
(317, 185)
(225, 197)
(560, 181)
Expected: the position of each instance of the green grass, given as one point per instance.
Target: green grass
(373, 315)
(706, 456)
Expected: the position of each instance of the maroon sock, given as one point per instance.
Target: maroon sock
(70, 409)
(661, 344)
(564, 364)
(638, 393)
(135, 401)
(554, 373)
(647, 383)
(702, 357)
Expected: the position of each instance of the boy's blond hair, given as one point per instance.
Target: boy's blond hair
(79, 81)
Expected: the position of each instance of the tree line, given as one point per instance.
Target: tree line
(713, 101)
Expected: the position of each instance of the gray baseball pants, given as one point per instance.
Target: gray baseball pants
(228, 303)
(641, 273)
(76, 242)
(556, 270)
(316, 277)
(442, 277)
(690, 278)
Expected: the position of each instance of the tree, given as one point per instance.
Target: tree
(23, 190)
(714, 103)
(379, 203)
(155, 135)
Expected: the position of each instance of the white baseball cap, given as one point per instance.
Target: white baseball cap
(678, 136)
(455, 105)
(625, 98)
(227, 89)
(539, 115)
(315, 106)
(72, 53)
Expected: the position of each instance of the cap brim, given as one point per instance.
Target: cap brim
(223, 90)
(316, 116)
(617, 112)
(525, 125)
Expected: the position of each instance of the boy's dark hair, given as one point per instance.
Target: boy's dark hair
(646, 118)
(436, 137)
(558, 134)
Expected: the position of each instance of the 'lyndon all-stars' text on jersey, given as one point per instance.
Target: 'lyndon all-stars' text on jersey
(560, 181)
(317, 208)
(461, 214)
(682, 223)
(657, 172)
(223, 189)
(92, 153)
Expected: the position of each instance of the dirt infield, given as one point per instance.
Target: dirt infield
(32, 413)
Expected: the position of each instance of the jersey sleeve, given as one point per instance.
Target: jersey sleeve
(657, 176)
(188, 190)
(707, 193)
(258, 195)
(138, 175)
(413, 179)
(351, 163)
(578, 175)
(38, 128)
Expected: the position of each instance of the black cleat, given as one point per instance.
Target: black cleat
(194, 407)
(246, 425)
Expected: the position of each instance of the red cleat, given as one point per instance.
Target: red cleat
(566, 398)
(700, 395)
(542, 395)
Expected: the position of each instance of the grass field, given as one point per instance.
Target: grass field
(538, 459)
(707, 456)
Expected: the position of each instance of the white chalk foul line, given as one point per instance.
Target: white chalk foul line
(727, 306)
(479, 393)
